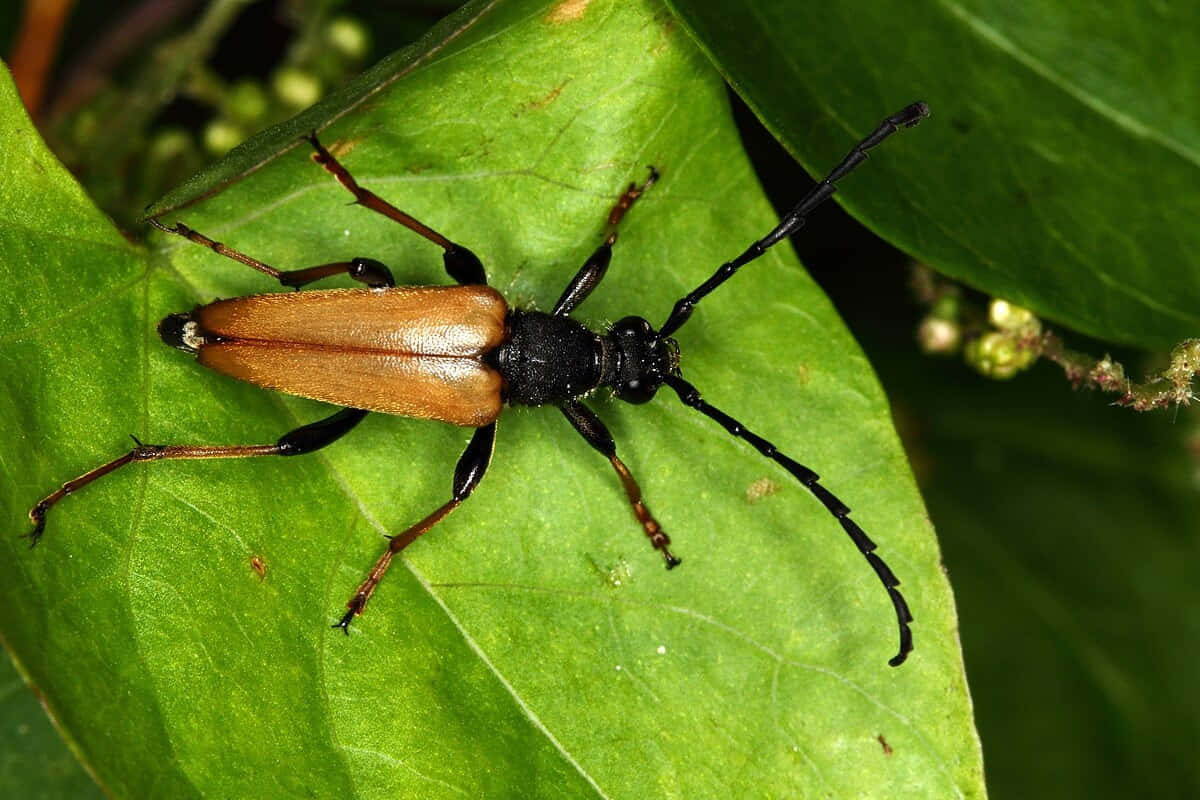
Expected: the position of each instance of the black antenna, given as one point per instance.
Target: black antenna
(794, 219)
(691, 398)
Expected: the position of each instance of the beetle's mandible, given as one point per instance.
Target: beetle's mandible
(458, 354)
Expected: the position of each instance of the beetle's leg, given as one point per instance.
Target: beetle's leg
(461, 264)
(794, 220)
(364, 270)
(593, 269)
(179, 229)
(691, 398)
(305, 439)
(592, 429)
(470, 470)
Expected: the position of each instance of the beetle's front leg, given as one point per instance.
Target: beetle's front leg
(593, 269)
(597, 435)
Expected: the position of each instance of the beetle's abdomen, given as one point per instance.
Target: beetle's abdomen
(413, 351)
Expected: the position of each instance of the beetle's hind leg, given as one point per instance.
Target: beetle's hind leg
(470, 470)
(364, 270)
(461, 264)
(305, 439)
(597, 435)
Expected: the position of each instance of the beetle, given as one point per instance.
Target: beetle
(458, 354)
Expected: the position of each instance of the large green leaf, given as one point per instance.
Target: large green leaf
(502, 655)
(1061, 168)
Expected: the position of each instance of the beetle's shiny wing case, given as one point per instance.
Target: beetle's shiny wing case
(413, 351)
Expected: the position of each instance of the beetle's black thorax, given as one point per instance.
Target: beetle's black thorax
(548, 359)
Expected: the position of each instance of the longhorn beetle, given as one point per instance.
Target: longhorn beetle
(459, 353)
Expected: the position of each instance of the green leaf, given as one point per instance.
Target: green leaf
(532, 644)
(1060, 169)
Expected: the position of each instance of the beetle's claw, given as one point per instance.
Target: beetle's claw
(344, 622)
(354, 608)
(651, 180)
(37, 515)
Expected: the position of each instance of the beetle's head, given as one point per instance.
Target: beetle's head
(182, 332)
(646, 357)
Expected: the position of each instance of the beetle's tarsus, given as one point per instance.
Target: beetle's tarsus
(37, 515)
(344, 622)
(650, 180)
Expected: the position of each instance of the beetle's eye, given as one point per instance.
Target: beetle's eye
(636, 392)
(633, 326)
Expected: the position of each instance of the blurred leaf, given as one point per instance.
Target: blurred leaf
(499, 657)
(1061, 168)
(34, 762)
(1069, 528)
